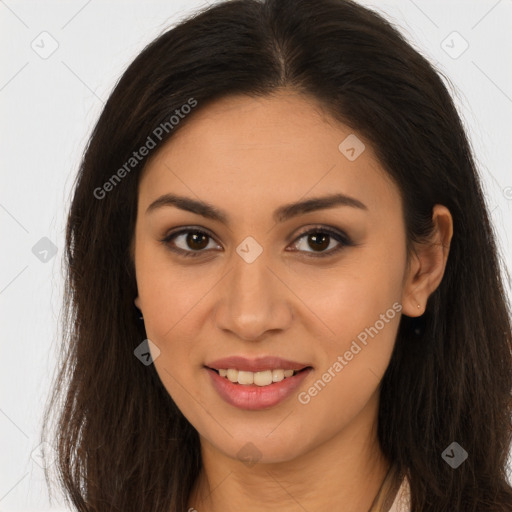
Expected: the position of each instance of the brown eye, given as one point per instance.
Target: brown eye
(196, 240)
(319, 240)
(188, 242)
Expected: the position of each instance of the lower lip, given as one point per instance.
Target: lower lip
(252, 397)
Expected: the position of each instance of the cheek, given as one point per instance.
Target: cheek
(171, 293)
(362, 309)
(172, 302)
(364, 290)
(353, 361)
(170, 299)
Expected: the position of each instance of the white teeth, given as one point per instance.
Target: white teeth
(245, 377)
(263, 378)
(277, 375)
(232, 375)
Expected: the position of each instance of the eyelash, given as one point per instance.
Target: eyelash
(339, 236)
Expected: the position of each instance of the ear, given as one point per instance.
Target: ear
(137, 301)
(427, 264)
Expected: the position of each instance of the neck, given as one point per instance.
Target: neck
(347, 469)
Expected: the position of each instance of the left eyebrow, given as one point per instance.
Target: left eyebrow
(281, 214)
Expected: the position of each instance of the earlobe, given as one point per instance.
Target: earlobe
(411, 305)
(137, 302)
(428, 264)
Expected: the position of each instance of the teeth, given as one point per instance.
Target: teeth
(245, 377)
(277, 375)
(263, 378)
(232, 375)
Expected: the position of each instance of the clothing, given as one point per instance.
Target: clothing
(394, 494)
(402, 499)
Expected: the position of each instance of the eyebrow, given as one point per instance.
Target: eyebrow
(281, 214)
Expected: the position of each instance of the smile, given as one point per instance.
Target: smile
(255, 391)
(262, 378)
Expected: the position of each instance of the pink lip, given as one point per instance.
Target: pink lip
(256, 365)
(252, 397)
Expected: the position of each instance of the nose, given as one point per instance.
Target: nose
(253, 301)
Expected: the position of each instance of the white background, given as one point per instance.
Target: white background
(48, 107)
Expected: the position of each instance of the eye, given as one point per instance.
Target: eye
(321, 238)
(193, 241)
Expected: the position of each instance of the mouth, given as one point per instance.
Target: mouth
(256, 390)
(261, 378)
(256, 384)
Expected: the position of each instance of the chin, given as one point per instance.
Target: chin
(253, 449)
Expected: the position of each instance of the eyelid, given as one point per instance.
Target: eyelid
(187, 229)
(184, 230)
(339, 235)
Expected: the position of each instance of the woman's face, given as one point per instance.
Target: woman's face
(242, 279)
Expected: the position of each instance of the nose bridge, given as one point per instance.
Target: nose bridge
(253, 301)
(249, 277)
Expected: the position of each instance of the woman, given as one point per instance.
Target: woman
(283, 289)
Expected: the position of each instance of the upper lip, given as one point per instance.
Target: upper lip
(258, 364)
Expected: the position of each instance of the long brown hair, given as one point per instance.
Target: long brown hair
(121, 442)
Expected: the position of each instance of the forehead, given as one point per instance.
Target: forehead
(273, 149)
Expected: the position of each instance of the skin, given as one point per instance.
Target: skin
(248, 156)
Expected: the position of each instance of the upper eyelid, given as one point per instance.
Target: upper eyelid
(188, 229)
